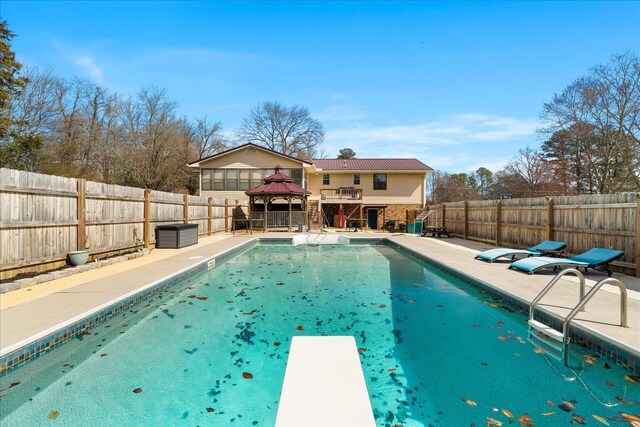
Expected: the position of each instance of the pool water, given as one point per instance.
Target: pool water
(212, 350)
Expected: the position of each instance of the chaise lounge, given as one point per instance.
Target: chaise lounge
(548, 247)
(596, 258)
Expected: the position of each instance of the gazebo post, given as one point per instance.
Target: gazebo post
(266, 210)
(289, 198)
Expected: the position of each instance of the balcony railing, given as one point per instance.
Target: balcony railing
(343, 193)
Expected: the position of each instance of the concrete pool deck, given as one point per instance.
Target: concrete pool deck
(27, 312)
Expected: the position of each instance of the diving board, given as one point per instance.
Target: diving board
(324, 385)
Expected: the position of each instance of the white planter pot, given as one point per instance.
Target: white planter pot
(78, 257)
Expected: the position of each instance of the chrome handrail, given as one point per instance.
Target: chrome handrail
(553, 281)
(584, 301)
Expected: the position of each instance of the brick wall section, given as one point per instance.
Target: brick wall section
(396, 212)
(393, 212)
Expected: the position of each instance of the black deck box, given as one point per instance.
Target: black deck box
(173, 236)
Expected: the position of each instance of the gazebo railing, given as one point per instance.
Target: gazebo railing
(281, 218)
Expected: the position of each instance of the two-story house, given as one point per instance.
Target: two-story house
(366, 191)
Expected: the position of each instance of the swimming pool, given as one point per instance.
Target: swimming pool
(212, 350)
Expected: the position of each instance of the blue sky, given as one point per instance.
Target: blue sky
(458, 85)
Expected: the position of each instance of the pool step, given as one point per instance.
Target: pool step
(547, 330)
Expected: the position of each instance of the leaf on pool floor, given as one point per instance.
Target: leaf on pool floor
(590, 359)
(578, 419)
(538, 350)
(566, 406)
(632, 378)
(493, 423)
(280, 284)
(412, 301)
(599, 418)
(137, 390)
(277, 344)
(361, 350)
(300, 328)
(507, 413)
(546, 414)
(622, 400)
(607, 366)
(525, 420)
(53, 415)
(247, 375)
(630, 417)
(250, 313)
(520, 340)
(103, 354)
(550, 403)
(210, 409)
(203, 298)
(502, 337)
(492, 304)
(383, 305)
(610, 384)
(469, 402)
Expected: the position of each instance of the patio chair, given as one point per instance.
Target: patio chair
(596, 258)
(548, 247)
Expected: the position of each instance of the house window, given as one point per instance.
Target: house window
(296, 175)
(379, 181)
(356, 179)
(232, 179)
(218, 179)
(206, 179)
(326, 179)
(257, 176)
(244, 179)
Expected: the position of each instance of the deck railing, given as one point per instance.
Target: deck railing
(281, 219)
(343, 193)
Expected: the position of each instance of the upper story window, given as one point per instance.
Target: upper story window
(326, 179)
(379, 181)
(241, 179)
(356, 179)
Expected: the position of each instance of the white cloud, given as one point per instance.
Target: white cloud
(88, 64)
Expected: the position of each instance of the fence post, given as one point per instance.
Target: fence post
(444, 213)
(466, 219)
(81, 234)
(185, 204)
(638, 237)
(209, 215)
(549, 218)
(498, 221)
(146, 229)
(226, 215)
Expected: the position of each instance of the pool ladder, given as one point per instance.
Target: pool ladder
(556, 343)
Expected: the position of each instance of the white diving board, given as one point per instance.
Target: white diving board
(324, 385)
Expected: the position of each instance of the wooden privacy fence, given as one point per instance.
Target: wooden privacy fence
(583, 222)
(44, 217)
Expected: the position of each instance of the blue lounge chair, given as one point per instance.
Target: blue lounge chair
(596, 258)
(548, 247)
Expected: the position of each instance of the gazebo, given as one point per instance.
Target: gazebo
(278, 186)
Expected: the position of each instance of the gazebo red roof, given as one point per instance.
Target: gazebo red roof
(278, 184)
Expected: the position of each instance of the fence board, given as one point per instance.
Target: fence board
(39, 218)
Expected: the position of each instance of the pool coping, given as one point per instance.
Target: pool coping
(20, 353)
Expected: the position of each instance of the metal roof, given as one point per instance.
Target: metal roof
(371, 164)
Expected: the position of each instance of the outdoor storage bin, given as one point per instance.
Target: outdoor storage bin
(174, 236)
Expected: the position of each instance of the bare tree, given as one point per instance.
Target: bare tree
(209, 137)
(288, 130)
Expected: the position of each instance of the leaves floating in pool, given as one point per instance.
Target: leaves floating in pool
(590, 359)
(577, 419)
(631, 418)
(137, 390)
(599, 418)
(53, 415)
(502, 337)
(525, 420)
(507, 413)
(469, 402)
(300, 328)
(566, 406)
(632, 378)
(493, 423)
(546, 414)
(538, 350)
(247, 375)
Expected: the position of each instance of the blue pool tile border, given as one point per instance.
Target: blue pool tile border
(579, 336)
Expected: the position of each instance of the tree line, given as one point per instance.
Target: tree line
(591, 144)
